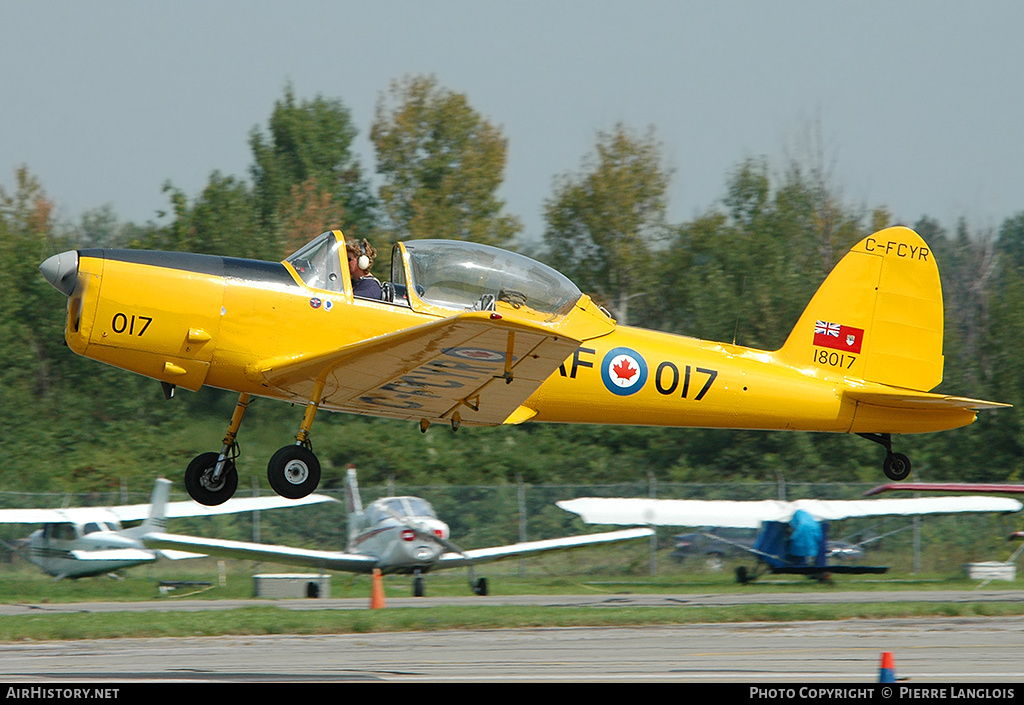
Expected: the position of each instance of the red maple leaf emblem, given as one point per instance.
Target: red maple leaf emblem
(623, 370)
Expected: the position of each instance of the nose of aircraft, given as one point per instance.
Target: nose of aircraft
(62, 271)
(426, 553)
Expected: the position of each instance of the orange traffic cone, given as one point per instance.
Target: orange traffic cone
(887, 673)
(377, 591)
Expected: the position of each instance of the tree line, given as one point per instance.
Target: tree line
(741, 271)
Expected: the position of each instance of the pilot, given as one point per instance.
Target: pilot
(360, 260)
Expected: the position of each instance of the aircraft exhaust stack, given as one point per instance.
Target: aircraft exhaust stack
(61, 271)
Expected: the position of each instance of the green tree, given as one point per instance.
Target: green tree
(441, 165)
(605, 223)
(746, 273)
(306, 159)
(221, 220)
(998, 366)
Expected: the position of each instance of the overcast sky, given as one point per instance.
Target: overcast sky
(920, 104)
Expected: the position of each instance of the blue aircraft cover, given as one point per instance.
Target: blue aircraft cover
(805, 541)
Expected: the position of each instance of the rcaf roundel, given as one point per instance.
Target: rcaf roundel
(623, 371)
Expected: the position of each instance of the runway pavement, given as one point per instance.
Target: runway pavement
(976, 650)
(929, 650)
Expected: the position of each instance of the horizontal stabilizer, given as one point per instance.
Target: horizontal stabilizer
(114, 554)
(910, 399)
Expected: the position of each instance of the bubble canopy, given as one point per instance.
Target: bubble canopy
(457, 274)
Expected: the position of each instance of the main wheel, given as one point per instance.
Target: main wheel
(896, 466)
(199, 480)
(293, 472)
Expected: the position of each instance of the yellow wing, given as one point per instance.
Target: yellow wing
(469, 368)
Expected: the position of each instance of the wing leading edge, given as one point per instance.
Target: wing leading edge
(497, 553)
(750, 515)
(138, 512)
(324, 560)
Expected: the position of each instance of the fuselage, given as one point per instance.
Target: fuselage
(402, 533)
(53, 548)
(192, 320)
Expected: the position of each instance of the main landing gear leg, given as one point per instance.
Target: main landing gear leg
(477, 585)
(294, 471)
(896, 466)
(211, 478)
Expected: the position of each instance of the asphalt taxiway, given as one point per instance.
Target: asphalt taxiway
(975, 650)
(925, 650)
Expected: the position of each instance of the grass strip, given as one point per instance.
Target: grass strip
(263, 620)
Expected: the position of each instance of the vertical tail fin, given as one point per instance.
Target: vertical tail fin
(352, 500)
(877, 316)
(157, 520)
(353, 503)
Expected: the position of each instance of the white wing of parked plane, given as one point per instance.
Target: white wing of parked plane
(750, 515)
(139, 512)
(356, 563)
(497, 553)
(324, 560)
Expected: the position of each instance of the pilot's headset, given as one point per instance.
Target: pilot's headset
(366, 254)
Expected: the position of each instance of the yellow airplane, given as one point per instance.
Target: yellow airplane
(472, 334)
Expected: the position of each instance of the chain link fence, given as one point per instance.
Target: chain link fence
(490, 515)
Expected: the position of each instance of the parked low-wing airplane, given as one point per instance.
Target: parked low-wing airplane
(471, 334)
(793, 536)
(77, 542)
(393, 535)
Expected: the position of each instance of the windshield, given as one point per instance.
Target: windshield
(400, 507)
(318, 263)
(468, 275)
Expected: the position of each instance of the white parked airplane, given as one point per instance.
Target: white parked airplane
(394, 535)
(793, 536)
(77, 542)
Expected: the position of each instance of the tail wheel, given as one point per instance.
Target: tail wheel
(293, 472)
(896, 467)
(201, 486)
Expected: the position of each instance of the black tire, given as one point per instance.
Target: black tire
(417, 587)
(197, 480)
(896, 467)
(480, 587)
(293, 472)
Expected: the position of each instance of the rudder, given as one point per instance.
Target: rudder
(878, 315)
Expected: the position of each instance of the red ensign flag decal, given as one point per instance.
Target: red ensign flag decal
(838, 337)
